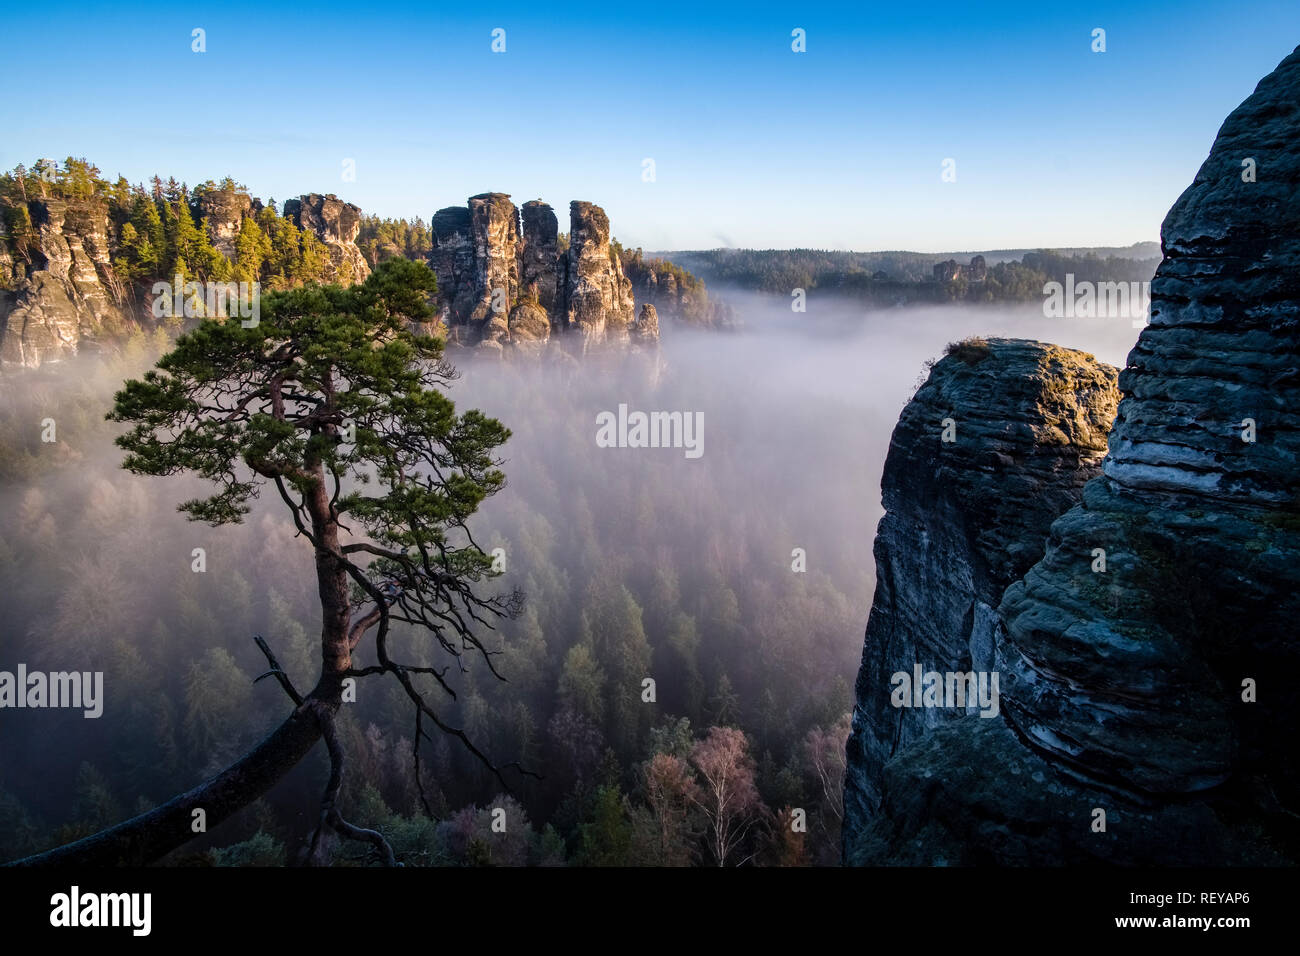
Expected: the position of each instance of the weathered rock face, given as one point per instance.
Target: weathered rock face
(452, 261)
(1027, 424)
(530, 328)
(224, 210)
(540, 253)
(655, 282)
(63, 290)
(646, 329)
(1128, 685)
(335, 223)
(597, 296)
(494, 227)
(483, 260)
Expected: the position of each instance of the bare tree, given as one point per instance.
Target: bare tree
(728, 794)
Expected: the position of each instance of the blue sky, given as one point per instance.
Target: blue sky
(754, 145)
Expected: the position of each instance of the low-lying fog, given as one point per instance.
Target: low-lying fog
(660, 564)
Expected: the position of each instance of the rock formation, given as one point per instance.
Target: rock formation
(224, 210)
(335, 223)
(951, 270)
(494, 226)
(540, 253)
(646, 329)
(1146, 659)
(530, 327)
(597, 296)
(507, 282)
(452, 261)
(675, 293)
(59, 291)
(1025, 426)
(499, 284)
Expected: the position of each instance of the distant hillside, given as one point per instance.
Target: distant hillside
(895, 278)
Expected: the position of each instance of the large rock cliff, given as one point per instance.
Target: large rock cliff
(994, 446)
(1146, 659)
(224, 210)
(507, 287)
(597, 296)
(59, 291)
(335, 223)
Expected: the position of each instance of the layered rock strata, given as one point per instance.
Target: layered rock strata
(503, 276)
(1147, 705)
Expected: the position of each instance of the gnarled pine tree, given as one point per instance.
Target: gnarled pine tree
(334, 400)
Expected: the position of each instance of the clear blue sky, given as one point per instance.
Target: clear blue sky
(754, 145)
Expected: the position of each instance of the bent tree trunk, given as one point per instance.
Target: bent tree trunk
(151, 835)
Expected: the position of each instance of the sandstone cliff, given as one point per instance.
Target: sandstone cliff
(1146, 659)
(335, 223)
(59, 291)
(1026, 425)
(675, 293)
(597, 296)
(70, 280)
(224, 211)
(503, 286)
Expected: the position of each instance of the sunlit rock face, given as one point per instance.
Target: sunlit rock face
(61, 293)
(598, 297)
(335, 223)
(501, 271)
(224, 210)
(1147, 659)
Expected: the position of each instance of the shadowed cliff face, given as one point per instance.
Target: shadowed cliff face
(1129, 653)
(1026, 426)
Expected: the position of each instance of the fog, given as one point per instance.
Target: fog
(674, 568)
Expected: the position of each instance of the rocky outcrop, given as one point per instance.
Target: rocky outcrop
(675, 293)
(645, 331)
(995, 445)
(951, 270)
(494, 226)
(597, 296)
(335, 223)
(452, 261)
(224, 211)
(1146, 659)
(530, 328)
(62, 292)
(498, 281)
(540, 254)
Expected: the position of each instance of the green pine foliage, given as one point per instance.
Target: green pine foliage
(157, 231)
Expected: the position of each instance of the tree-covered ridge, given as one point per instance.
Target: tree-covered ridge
(902, 277)
(158, 230)
(670, 288)
(382, 239)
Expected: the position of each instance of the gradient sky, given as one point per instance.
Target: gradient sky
(754, 145)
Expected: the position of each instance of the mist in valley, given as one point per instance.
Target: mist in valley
(738, 581)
